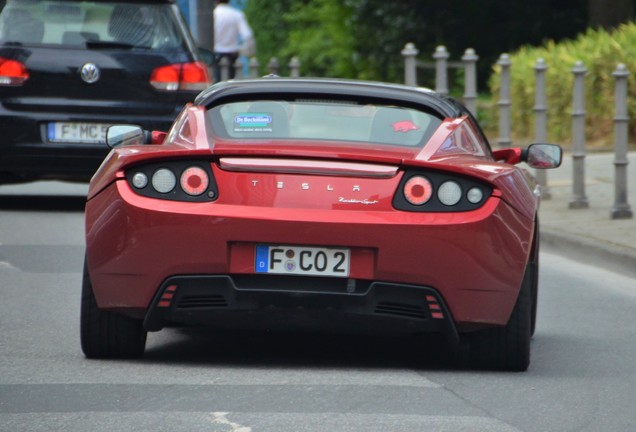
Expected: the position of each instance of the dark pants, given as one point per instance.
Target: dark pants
(217, 64)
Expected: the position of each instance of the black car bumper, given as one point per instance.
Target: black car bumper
(26, 154)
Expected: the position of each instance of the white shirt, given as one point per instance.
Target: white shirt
(229, 24)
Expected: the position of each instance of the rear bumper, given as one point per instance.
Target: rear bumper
(284, 302)
(472, 262)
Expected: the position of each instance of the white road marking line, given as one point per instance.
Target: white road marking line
(220, 418)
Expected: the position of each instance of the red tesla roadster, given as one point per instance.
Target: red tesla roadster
(331, 203)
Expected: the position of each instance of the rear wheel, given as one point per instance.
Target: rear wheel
(106, 334)
(507, 348)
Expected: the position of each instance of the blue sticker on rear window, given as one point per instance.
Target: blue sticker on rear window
(253, 122)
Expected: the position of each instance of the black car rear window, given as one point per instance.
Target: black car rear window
(93, 24)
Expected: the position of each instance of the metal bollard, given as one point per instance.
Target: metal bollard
(579, 200)
(238, 69)
(504, 103)
(273, 66)
(294, 67)
(224, 64)
(254, 65)
(541, 122)
(441, 70)
(470, 80)
(621, 209)
(410, 66)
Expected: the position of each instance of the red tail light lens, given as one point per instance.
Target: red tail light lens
(12, 72)
(418, 190)
(166, 78)
(194, 181)
(194, 76)
(182, 76)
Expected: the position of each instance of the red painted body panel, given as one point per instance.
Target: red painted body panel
(134, 243)
(474, 259)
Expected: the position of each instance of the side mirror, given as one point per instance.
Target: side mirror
(122, 135)
(543, 156)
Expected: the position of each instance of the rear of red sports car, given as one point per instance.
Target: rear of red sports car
(315, 203)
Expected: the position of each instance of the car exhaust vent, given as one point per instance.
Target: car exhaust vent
(202, 301)
(399, 309)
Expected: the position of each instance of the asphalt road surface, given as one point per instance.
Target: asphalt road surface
(582, 376)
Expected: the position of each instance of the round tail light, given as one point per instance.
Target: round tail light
(474, 195)
(418, 190)
(164, 180)
(449, 193)
(194, 181)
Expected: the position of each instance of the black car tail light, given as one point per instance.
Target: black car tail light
(176, 181)
(12, 72)
(439, 192)
(181, 76)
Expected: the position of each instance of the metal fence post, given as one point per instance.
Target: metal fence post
(541, 122)
(238, 69)
(225, 65)
(273, 66)
(253, 67)
(410, 67)
(470, 80)
(294, 67)
(504, 103)
(621, 209)
(579, 200)
(441, 70)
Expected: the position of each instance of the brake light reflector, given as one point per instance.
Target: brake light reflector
(12, 72)
(194, 181)
(181, 76)
(418, 190)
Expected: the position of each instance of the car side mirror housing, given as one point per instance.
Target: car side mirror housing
(543, 156)
(124, 135)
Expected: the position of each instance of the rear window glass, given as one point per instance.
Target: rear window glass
(323, 120)
(72, 23)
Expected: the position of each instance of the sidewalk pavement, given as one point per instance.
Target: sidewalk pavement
(590, 234)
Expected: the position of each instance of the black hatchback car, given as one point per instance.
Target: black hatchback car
(69, 69)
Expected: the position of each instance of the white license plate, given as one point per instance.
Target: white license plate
(91, 133)
(302, 260)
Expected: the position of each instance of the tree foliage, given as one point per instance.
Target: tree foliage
(601, 52)
(321, 38)
(364, 38)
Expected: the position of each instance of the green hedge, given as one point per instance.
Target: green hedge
(601, 52)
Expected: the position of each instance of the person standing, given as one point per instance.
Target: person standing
(232, 36)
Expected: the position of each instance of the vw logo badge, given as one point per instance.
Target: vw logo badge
(90, 73)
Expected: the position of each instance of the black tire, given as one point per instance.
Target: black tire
(534, 264)
(507, 348)
(106, 334)
(534, 296)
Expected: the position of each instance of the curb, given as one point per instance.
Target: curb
(613, 257)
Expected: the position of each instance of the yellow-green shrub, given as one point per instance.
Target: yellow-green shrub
(601, 52)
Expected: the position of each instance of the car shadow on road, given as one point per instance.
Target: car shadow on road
(45, 203)
(301, 349)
